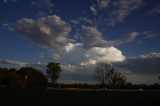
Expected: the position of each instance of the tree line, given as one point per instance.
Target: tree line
(28, 77)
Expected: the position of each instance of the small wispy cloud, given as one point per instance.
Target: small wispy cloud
(7, 1)
(131, 36)
(103, 3)
(42, 3)
(11, 63)
(151, 34)
(81, 20)
(154, 11)
(115, 11)
(123, 8)
(93, 9)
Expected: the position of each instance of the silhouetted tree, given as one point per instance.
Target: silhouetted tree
(106, 74)
(15, 80)
(3, 76)
(53, 71)
(33, 78)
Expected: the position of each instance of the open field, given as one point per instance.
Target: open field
(26, 97)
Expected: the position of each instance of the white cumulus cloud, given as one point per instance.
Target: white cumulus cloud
(103, 54)
(92, 37)
(50, 32)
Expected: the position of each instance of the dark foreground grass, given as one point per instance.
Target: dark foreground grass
(23, 97)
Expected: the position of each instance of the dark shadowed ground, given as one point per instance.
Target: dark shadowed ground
(24, 97)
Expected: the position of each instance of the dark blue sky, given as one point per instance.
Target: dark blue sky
(40, 31)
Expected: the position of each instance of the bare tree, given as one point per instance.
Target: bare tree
(106, 74)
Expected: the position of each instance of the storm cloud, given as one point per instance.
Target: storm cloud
(147, 64)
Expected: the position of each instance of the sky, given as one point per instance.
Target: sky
(81, 33)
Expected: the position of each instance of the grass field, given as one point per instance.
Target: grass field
(25, 97)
